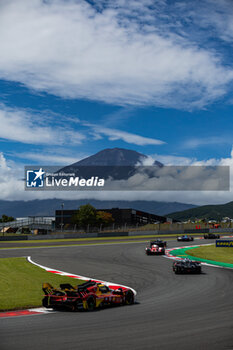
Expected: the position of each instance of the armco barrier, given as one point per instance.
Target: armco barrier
(112, 234)
(201, 230)
(143, 233)
(223, 243)
(174, 232)
(14, 238)
(63, 236)
(221, 230)
(81, 235)
(41, 237)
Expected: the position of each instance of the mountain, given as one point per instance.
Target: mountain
(210, 212)
(47, 207)
(117, 163)
(114, 157)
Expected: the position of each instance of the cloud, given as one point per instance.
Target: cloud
(114, 134)
(32, 128)
(10, 179)
(172, 160)
(214, 16)
(121, 52)
(48, 157)
(212, 140)
(174, 178)
(43, 128)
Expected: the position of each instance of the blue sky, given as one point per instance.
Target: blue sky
(79, 76)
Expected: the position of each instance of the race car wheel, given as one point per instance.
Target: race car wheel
(79, 305)
(91, 303)
(177, 270)
(73, 307)
(45, 302)
(129, 297)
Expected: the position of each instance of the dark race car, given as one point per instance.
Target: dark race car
(87, 296)
(211, 236)
(186, 266)
(159, 243)
(155, 250)
(184, 238)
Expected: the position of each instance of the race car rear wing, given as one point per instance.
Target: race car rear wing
(86, 285)
(47, 288)
(67, 286)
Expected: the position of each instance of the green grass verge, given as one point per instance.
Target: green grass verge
(21, 283)
(210, 252)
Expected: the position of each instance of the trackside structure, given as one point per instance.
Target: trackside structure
(121, 217)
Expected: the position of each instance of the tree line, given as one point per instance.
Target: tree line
(87, 215)
(6, 218)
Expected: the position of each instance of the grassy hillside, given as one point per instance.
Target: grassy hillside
(210, 212)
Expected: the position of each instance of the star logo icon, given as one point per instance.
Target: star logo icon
(39, 174)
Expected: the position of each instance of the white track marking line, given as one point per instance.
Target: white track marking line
(62, 273)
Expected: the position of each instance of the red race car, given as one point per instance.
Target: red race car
(154, 249)
(87, 296)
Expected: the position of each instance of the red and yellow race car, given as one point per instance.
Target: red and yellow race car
(87, 296)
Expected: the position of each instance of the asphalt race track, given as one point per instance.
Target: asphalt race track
(173, 311)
